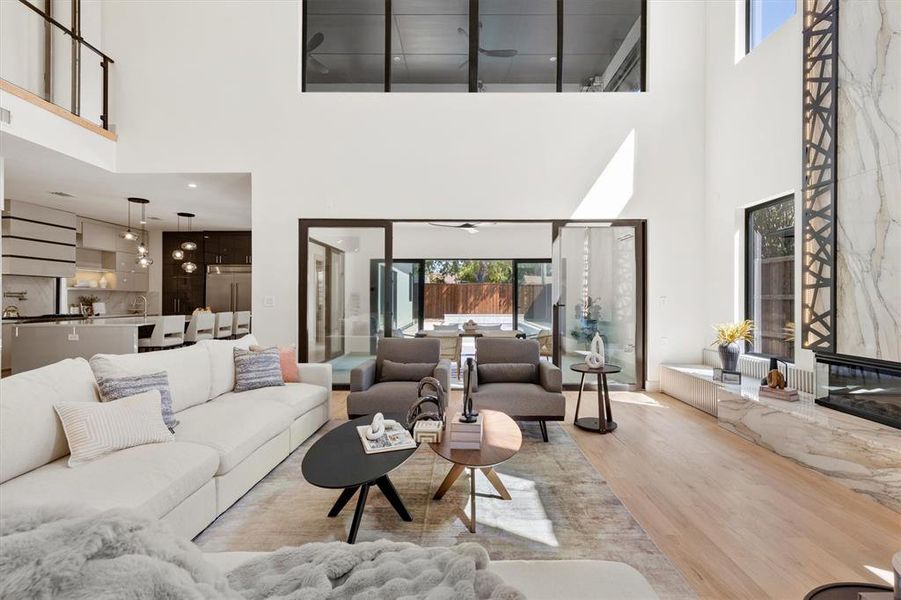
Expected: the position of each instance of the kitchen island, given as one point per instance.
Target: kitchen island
(35, 345)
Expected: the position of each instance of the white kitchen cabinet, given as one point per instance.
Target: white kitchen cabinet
(98, 236)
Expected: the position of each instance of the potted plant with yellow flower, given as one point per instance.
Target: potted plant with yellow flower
(729, 337)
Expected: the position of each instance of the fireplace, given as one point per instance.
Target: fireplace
(861, 388)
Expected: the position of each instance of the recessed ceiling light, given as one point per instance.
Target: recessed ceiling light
(63, 194)
(192, 185)
(553, 59)
(338, 242)
(397, 59)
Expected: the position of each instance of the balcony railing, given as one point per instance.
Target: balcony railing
(46, 58)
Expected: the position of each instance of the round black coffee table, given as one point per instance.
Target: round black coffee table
(337, 461)
(604, 423)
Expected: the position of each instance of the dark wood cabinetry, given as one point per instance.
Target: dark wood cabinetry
(183, 292)
(227, 247)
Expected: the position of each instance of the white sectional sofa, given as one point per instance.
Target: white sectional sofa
(224, 443)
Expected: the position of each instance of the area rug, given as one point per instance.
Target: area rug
(561, 509)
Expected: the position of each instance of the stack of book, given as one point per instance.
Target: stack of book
(465, 436)
(787, 394)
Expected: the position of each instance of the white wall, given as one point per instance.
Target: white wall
(221, 95)
(753, 147)
(501, 240)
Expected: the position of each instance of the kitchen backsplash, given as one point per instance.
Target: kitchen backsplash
(117, 303)
(40, 294)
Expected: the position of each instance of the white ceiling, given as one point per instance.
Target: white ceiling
(428, 48)
(221, 201)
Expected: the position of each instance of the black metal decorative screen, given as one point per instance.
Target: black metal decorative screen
(820, 108)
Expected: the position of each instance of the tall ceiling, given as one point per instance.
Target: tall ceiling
(221, 201)
(430, 40)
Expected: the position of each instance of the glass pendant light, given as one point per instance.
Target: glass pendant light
(143, 251)
(178, 253)
(188, 267)
(128, 234)
(188, 245)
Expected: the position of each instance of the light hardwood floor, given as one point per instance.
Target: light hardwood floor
(739, 521)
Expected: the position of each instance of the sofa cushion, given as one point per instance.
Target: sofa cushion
(153, 478)
(254, 370)
(30, 432)
(222, 362)
(508, 373)
(234, 425)
(93, 430)
(389, 397)
(299, 398)
(188, 370)
(506, 350)
(520, 400)
(397, 371)
(114, 388)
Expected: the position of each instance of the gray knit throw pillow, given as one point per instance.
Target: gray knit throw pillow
(114, 388)
(255, 370)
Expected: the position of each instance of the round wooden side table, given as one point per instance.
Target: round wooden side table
(604, 423)
(501, 440)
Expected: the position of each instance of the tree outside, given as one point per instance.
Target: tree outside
(469, 271)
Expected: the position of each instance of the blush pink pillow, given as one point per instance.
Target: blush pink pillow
(287, 361)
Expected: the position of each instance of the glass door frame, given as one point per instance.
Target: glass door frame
(304, 226)
(374, 265)
(640, 228)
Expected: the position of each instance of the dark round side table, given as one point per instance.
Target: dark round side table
(604, 423)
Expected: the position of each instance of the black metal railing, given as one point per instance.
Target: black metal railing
(75, 77)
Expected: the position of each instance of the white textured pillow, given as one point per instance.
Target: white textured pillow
(94, 429)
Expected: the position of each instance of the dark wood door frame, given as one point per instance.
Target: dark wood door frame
(304, 226)
(639, 225)
(640, 228)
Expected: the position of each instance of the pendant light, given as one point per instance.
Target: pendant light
(178, 253)
(188, 245)
(142, 259)
(128, 234)
(188, 266)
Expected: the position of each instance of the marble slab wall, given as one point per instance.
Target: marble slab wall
(868, 195)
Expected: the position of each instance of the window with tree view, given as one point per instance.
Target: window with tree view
(769, 276)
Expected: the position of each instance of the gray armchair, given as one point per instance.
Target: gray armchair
(388, 383)
(510, 377)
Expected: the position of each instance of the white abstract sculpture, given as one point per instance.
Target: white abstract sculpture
(595, 357)
(377, 429)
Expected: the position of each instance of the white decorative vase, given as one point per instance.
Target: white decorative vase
(595, 357)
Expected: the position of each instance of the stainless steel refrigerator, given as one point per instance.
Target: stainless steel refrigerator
(228, 287)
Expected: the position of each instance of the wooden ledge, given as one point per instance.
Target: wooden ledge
(49, 106)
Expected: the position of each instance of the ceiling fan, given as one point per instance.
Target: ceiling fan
(468, 227)
(500, 53)
(313, 43)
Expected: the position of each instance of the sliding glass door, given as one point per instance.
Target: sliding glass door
(341, 325)
(534, 314)
(599, 289)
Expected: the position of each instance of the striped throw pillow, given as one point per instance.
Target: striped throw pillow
(95, 429)
(114, 388)
(257, 369)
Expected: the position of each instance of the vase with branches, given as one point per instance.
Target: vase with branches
(729, 337)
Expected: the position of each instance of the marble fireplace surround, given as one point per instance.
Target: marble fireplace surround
(860, 454)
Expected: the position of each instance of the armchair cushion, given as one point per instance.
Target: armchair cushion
(362, 377)
(520, 400)
(506, 350)
(550, 377)
(405, 350)
(389, 397)
(507, 373)
(442, 373)
(397, 371)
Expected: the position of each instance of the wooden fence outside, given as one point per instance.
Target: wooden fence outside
(476, 298)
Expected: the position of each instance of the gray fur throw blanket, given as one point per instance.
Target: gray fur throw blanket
(65, 553)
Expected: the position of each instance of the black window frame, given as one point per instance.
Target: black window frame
(748, 303)
(474, 45)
